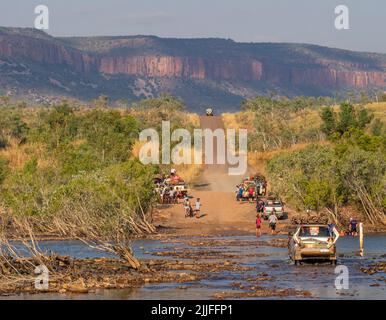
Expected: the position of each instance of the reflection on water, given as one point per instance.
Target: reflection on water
(319, 279)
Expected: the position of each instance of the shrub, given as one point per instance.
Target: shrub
(318, 177)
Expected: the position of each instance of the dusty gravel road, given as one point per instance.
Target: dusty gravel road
(221, 214)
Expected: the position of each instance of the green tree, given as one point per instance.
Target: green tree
(77, 158)
(363, 173)
(306, 177)
(347, 118)
(329, 122)
(364, 118)
(110, 134)
(378, 128)
(26, 192)
(56, 126)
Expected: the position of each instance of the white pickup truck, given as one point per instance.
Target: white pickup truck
(273, 205)
(313, 242)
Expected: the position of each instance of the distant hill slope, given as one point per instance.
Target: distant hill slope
(201, 71)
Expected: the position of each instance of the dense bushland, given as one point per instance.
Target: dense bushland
(72, 170)
(349, 170)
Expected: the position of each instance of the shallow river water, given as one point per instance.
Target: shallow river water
(319, 279)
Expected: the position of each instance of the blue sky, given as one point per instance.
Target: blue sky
(305, 21)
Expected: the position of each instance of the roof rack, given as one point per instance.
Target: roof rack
(309, 219)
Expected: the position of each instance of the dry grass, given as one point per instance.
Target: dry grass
(17, 155)
(379, 110)
(194, 119)
(310, 118)
(239, 120)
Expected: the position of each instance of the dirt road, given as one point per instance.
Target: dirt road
(215, 176)
(221, 214)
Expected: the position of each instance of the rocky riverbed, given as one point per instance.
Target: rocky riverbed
(225, 267)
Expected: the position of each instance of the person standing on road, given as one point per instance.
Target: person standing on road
(251, 193)
(353, 227)
(258, 225)
(197, 208)
(331, 226)
(272, 219)
(172, 194)
(240, 193)
(265, 187)
(187, 207)
(163, 193)
(259, 206)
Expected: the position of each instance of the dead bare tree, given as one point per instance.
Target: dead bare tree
(20, 257)
(371, 208)
(109, 231)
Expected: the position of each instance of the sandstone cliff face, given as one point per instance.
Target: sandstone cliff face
(241, 70)
(43, 51)
(242, 65)
(331, 77)
(186, 67)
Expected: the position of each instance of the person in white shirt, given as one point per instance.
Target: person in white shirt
(197, 208)
(187, 207)
(272, 219)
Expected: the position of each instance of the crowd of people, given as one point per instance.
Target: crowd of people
(251, 188)
(170, 188)
(352, 229)
(169, 193)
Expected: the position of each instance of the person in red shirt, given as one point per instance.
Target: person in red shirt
(258, 226)
(251, 192)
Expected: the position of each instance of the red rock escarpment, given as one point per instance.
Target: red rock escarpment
(319, 72)
(243, 70)
(323, 76)
(43, 51)
(171, 66)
